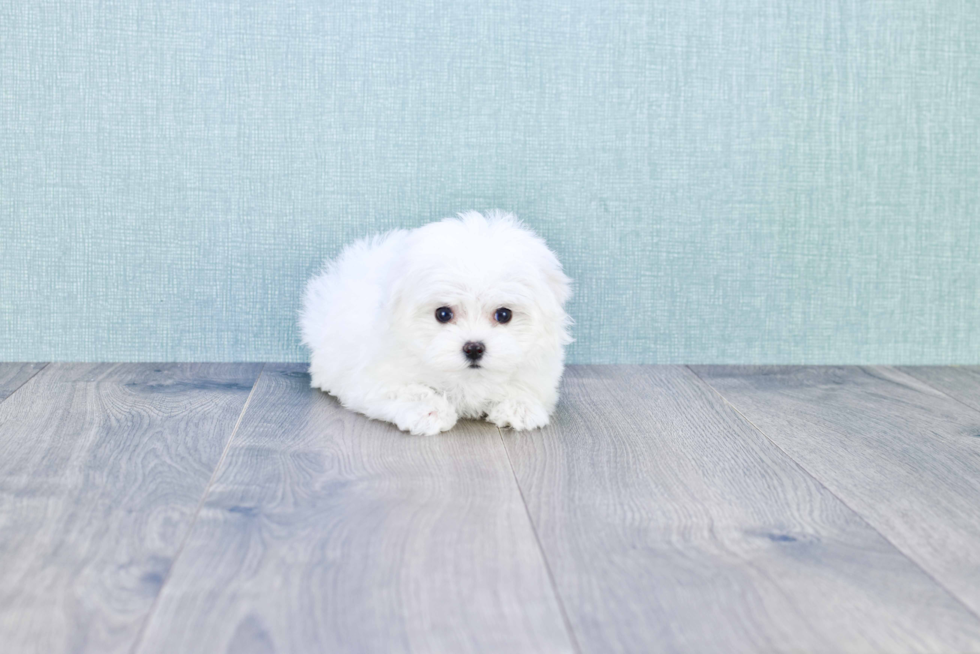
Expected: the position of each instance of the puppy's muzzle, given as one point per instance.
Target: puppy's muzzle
(474, 350)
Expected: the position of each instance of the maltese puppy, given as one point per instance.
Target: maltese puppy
(462, 318)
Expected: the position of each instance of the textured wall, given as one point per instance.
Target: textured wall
(727, 180)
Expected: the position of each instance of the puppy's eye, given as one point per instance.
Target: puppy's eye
(503, 315)
(444, 314)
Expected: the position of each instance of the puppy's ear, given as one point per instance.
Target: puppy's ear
(560, 285)
(395, 301)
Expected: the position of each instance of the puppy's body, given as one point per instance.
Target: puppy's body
(373, 323)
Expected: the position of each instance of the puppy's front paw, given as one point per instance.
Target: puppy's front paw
(426, 417)
(518, 414)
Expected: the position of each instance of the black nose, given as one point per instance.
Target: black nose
(474, 351)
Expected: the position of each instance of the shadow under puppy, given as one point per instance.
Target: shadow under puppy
(459, 318)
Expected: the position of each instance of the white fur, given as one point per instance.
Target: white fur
(369, 321)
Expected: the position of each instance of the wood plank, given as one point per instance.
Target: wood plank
(328, 532)
(102, 467)
(959, 382)
(900, 453)
(671, 525)
(15, 375)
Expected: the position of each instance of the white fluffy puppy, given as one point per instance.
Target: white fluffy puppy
(459, 318)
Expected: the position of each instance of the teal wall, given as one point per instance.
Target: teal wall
(726, 180)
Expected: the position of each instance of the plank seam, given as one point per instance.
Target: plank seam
(24, 383)
(904, 370)
(537, 540)
(200, 505)
(956, 598)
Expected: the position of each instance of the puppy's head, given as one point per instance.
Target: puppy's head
(478, 295)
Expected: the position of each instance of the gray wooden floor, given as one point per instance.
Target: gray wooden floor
(230, 508)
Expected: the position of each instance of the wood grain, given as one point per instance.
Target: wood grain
(15, 375)
(671, 525)
(900, 453)
(959, 382)
(328, 532)
(101, 469)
